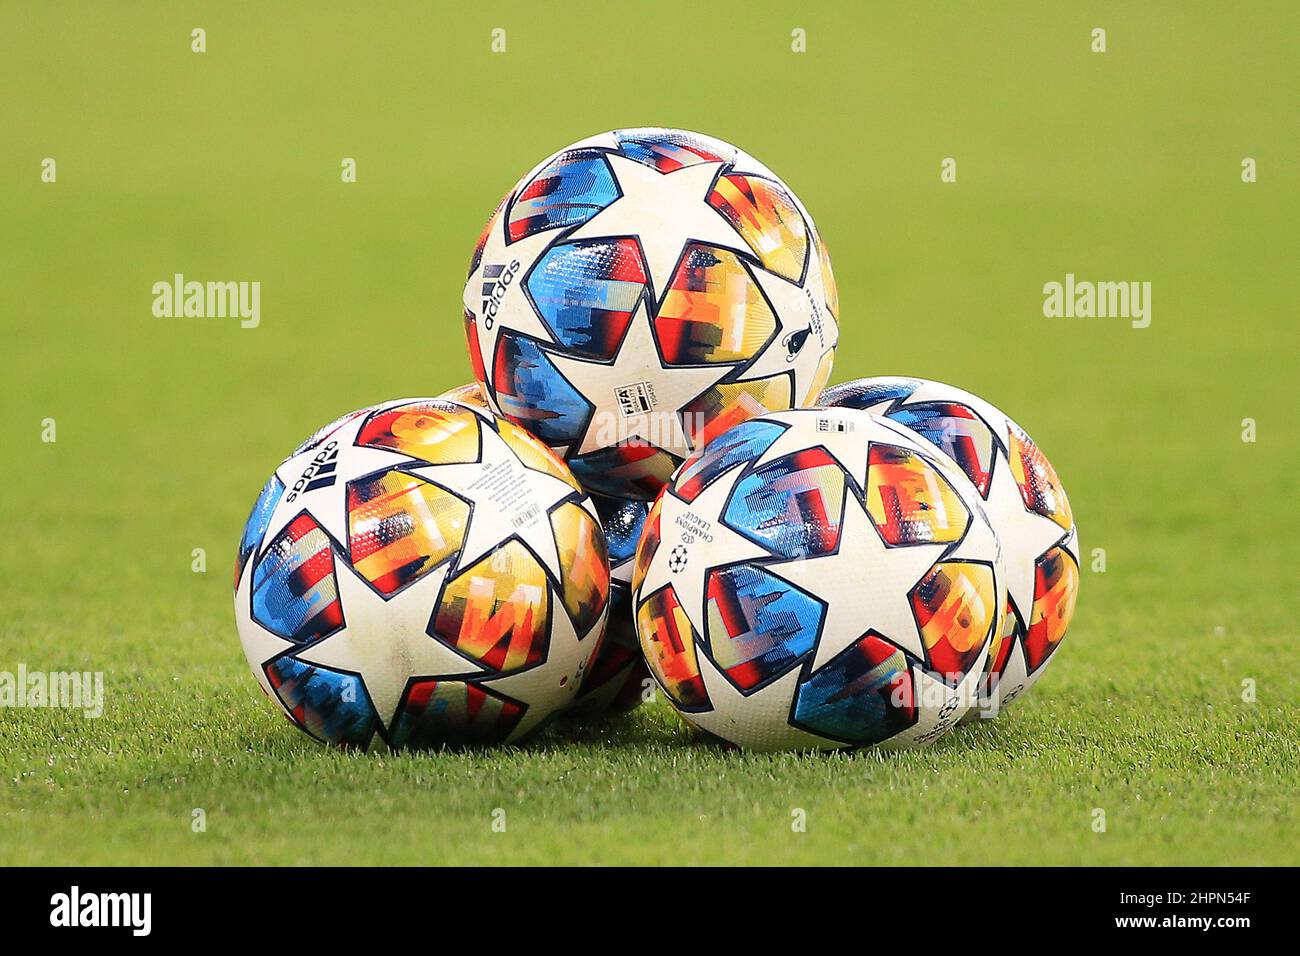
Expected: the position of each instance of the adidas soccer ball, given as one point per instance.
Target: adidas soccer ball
(818, 579)
(640, 292)
(421, 572)
(615, 682)
(1025, 501)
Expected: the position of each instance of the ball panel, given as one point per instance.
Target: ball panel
(648, 545)
(830, 291)
(474, 348)
(758, 625)
(909, 502)
(258, 521)
(634, 468)
(671, 149)
(486, 234)
(866, 393)
(958, 432)
(623, 522)
(436, 432)
(1004, 641)
(863, 696)
(295, 593)
(330, 705)
(764, 214)
(568, 191)
(792, 506)
(532, 392)
(584, 563)
(497, 612)
(471, 395)
(956, 610)
(1037, 480)
(713, 311)
(668, 641)
(821, 375)
(401, 527)
(1056, 587)
(587, 292)
(454, 713)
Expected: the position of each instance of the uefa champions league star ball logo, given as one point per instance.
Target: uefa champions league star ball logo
(677, 559)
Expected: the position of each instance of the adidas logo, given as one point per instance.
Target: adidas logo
(496, 280)
(319, 472)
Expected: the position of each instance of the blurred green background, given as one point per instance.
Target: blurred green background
(225, 165)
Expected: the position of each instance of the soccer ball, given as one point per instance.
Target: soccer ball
(640, 292)
(422, 572)
(615, 681)
(818, 579)
(1025, 501)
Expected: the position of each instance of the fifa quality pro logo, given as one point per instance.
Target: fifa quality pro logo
(635, 399)
(318, 474)
(496, 282)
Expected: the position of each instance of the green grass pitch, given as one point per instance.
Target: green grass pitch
(225, 165)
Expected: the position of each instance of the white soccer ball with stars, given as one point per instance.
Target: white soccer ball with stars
(1025, 500)
(641, 291)
(424, 573)
(818, 579)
